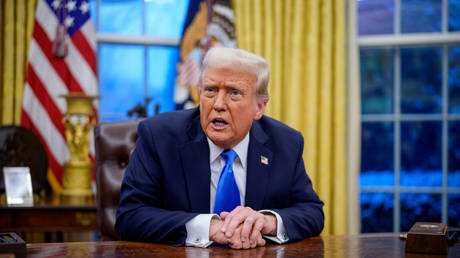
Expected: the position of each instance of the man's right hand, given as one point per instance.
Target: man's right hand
(216, 235)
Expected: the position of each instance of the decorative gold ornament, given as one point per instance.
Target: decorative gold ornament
(78, 121)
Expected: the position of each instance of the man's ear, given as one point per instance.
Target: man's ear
(260, 108)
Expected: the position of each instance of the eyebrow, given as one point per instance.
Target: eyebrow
(208, 82)
(230, 85)
(234, 86)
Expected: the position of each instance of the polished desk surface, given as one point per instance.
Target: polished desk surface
(364, 245)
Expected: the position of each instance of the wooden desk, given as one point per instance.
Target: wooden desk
(365, 245)
(49, 215)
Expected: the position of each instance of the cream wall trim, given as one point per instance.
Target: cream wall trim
(353, 122)
(409, 39)
(136, 40)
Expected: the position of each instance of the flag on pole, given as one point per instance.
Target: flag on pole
(208, 23)
(62, 60)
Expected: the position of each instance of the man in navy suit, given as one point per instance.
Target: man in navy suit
(173, 183)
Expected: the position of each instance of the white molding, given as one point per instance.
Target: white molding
(353, 123)
(136, 40)
(409, 39)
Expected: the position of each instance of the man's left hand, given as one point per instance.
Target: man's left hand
(254, 223)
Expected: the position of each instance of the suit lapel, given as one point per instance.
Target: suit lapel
(257, 171)
(195, 161)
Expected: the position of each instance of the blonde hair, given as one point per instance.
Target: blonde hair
(220, 57)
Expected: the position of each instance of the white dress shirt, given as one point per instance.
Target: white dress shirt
(198, 227)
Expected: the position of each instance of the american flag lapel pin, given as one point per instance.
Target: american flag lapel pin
(264, 160)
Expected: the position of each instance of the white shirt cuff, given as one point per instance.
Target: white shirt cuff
(198, 231)
(281, 236)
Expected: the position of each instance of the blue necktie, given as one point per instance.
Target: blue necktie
(227, 194)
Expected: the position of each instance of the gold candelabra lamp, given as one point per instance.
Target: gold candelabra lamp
(78, 121)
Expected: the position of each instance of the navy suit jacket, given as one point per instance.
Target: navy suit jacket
(167, 181)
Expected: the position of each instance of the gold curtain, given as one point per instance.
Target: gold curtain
(304, 44)
(16, 26)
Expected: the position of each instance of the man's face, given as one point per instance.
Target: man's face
(228, 105)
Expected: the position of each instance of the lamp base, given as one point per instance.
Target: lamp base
(77, 179)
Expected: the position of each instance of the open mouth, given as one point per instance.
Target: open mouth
(219, 122)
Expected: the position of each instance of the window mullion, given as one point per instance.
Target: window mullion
(397, 123)
(136, 40)
(143, 16)
(146, 83)
(146, 77)
(413, 39)
(445, 16)
(397, 139)
(397, 17)
(98, 4)
(445, 131)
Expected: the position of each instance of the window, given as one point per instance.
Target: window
(410, 90)
(138, 48)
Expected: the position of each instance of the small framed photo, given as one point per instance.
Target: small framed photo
(18, 186)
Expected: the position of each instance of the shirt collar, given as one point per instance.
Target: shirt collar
(241, 149)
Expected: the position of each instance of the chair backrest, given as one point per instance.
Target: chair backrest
(21, 147)
(114, 144)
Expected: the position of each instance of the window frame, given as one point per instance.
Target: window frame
(137, 40)
(396, 41)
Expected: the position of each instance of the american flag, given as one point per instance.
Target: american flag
(189, 72)
(207, 24)
(51, 73)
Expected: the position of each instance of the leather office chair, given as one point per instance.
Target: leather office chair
(114, 144)
(21, 147)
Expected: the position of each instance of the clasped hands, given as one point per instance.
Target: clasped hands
(242, 228)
